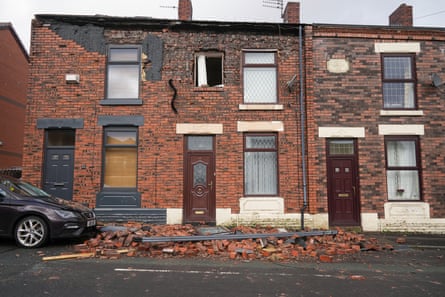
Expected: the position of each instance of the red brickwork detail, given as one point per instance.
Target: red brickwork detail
(13, 88)
(160, 155)
(402, 16)
(354, 99)
(292, 13)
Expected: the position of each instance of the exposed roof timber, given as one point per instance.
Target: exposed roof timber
(145, 22)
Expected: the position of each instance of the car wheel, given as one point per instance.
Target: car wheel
(31, 232)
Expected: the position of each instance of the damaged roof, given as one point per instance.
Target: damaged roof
(148, 22)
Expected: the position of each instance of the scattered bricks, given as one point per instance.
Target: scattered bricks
(401, 240)
(110, 253)
(325, 258)
(357, 277)
(388, 247)
(81, 248)
(294, 253)
(356, 247)
(323, 248)
(191, 252)
(155, 253)
(128, 240)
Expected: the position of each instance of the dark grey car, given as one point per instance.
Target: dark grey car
(32, 217)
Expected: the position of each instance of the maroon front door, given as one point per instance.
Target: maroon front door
(343, 196)
(199, 180)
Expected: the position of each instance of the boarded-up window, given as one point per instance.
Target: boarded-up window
(120, 161)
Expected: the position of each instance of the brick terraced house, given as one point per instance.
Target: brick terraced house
(376, 136)
(184, 121)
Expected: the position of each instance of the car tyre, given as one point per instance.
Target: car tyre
(31, 232)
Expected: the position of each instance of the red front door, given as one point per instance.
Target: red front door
(199, 180)
(343, 196)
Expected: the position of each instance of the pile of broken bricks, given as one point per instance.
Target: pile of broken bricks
(263, 243)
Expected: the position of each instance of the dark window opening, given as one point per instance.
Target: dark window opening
(60, 137)
(209, 70)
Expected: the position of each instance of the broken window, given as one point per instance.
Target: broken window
(123, 72)
(260, 77)
(209, 69)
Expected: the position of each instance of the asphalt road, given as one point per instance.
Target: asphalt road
(406, 271)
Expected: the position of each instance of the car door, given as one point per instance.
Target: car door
(5, 211)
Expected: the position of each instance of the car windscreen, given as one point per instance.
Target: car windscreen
(24, 188)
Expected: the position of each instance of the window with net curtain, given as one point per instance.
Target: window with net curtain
(260, 165)
(260, 77)
(402, 169)
(399, 82)
(120, 161)
(123, 72)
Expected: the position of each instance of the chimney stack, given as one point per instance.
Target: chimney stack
(402, 16)
(292, 13)
(185, 10)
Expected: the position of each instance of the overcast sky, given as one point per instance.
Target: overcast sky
(427, 13)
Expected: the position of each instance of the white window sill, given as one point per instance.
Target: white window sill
(261, 107)
(410, 113)
(261, 205)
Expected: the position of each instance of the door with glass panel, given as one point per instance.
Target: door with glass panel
(343, 190)
(199, 180)
(59, 163)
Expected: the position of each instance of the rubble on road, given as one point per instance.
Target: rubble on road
(113, 242)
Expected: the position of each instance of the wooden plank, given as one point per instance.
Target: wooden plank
(69, 256)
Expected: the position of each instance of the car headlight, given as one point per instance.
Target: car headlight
(65, 214)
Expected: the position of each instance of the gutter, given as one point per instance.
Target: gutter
(294, 235)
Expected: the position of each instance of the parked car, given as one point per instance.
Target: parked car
(32, 217)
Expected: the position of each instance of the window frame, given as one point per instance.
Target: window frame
(209, 54)
(105, 146)
(276, 150)
(417, 167)
(253, 66)
(135, 63)
(412, 80)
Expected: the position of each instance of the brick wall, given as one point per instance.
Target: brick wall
(402, 16)
(354, 99)
(160, 164)
(13, 86)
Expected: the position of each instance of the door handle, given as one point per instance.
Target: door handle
(211, 185)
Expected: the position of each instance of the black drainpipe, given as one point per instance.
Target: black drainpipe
(303, 120)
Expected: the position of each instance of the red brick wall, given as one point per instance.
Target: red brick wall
(292, 13)
(402, 16)
(354, 99)
(185, 10)
(160, 164)
(13, 87)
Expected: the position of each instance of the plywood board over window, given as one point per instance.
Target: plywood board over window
(120, 164)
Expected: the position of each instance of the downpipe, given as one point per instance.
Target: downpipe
(303, 122)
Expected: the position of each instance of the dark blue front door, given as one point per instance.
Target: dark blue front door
(58, 174)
